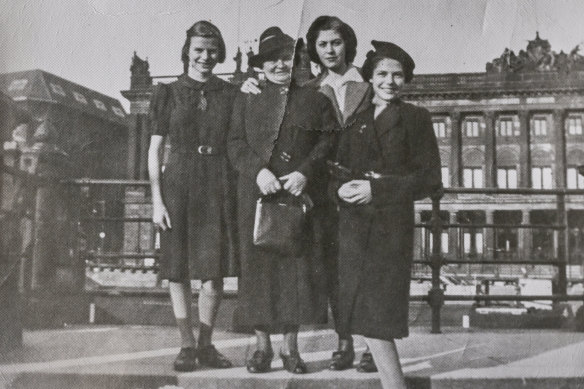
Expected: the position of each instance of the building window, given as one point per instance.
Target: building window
(118, 111)
(541, 177)
(574, 179)
(99, 104)
(575, 125)
(506, 127)
(539, 126)
(445, 177)
(439, 129)
(443, 242)
(472, 128)
(507, 178)
(58, 89)
(472, 177)
(17, 85)
(473, 242)
(79, 97)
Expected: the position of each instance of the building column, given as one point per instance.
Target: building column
(524, 236)
(418, 238)
(524, 150)
(559, 116)
(144, 136)
(455, 150)
(490, 150)
(452, 237)
(489, 243)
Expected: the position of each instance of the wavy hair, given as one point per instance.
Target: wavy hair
(323, 23)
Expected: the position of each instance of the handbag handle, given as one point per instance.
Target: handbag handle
(307, 203)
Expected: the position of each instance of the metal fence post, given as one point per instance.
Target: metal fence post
(436, 294)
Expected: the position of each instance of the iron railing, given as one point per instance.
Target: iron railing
(132, 242)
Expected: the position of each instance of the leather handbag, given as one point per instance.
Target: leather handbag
(279, 225)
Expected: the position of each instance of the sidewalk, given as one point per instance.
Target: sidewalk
(138, 357)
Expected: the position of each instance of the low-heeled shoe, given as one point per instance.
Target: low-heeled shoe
(367, 364)
(260, 362)
(342, 359)
(293, 363)
(210, 357)
(186, 360)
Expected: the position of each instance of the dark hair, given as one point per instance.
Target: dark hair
(323, 23)
(204, 29)
(369, 66)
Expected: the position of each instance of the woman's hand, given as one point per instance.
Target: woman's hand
(251, 85)
(160, 215)
(267, 182)
(356, 192)
(294, 183)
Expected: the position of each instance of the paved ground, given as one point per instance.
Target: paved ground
(139, 357)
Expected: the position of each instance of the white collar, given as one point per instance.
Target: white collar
(335, 81)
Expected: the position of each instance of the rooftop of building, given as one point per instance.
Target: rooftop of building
(41, 86)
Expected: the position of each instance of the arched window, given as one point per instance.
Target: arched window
(473, 161)
(574, 180)
(507, 162)
(541, 169)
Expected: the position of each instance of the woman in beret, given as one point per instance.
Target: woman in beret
(277, 143)
(391, 151)
(193, 204)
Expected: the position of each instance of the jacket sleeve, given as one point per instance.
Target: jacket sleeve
(425, 175)
(328, 126)
(242, 157)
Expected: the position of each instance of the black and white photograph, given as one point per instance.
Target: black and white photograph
(291, 194)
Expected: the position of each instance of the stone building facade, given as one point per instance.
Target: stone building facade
(519, 124)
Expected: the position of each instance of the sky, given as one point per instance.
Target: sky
(91, 42)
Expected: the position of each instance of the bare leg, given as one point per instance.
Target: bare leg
(181, 298)
(210, 297)
(387, 360)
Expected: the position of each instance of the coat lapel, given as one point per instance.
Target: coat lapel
(388, 119)
(328, 91)
(356, 93)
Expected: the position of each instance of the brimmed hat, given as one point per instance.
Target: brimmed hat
(272, 41)
(388, 50)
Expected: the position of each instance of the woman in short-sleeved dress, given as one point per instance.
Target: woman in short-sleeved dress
(192, 200)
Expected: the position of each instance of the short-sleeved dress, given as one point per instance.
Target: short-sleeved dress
(197, 182)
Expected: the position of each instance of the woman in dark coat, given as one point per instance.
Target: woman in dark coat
(332, 44)
(392, 154)
(192, 202)
(277, 143)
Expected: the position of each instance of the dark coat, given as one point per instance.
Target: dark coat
(274, 289)
(376, 240)
(197, 187)
(357, 99)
